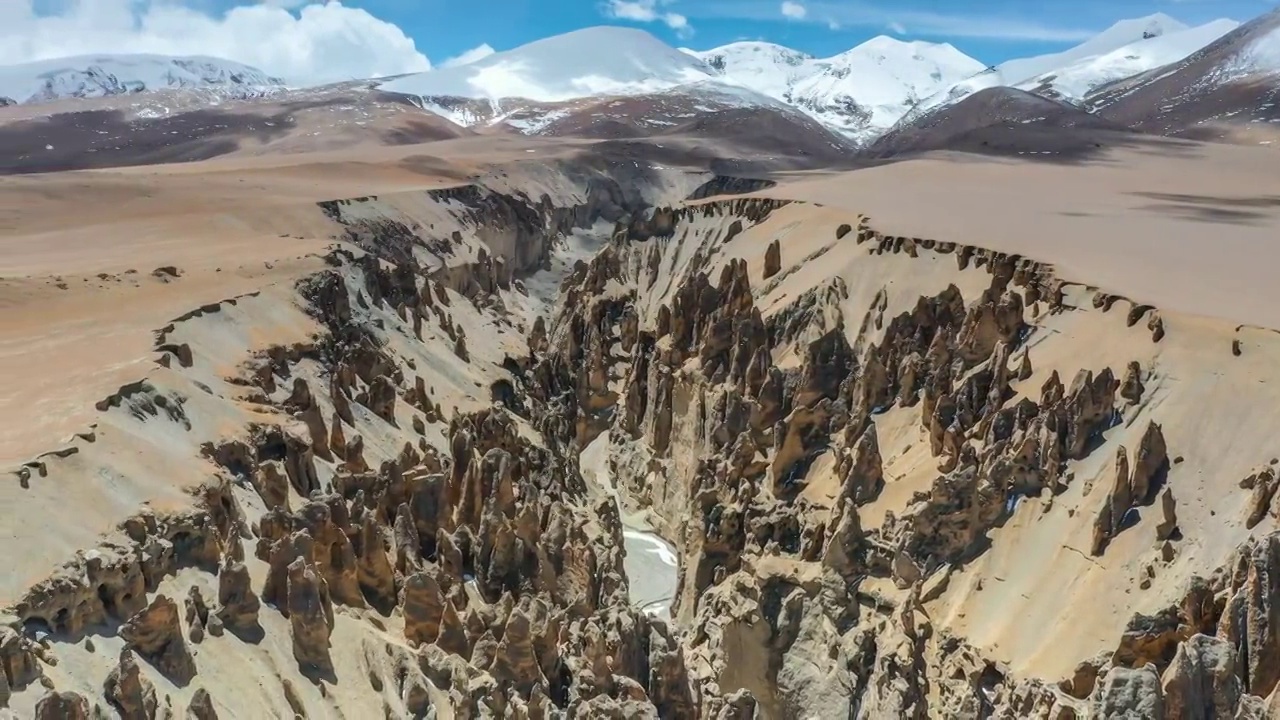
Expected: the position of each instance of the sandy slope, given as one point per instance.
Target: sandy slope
(1184, 226)
(230, 226)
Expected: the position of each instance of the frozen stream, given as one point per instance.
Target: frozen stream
(651, 562)
(651, 567)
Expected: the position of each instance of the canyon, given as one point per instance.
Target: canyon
(552, 428)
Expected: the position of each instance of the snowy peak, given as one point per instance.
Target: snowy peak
(890, 47)
(1231, 84)
(749, 55)
(1127, 31)
(594, 61)
(94, 76)
(1113, 38)
(764, 67)
(1122, 50)
(919, 64)
(860, 92)
(866, 90)
(1076, 81)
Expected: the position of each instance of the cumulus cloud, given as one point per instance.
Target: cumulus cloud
(302, 41)
(476, 53)
(794, 10)
(647, 11)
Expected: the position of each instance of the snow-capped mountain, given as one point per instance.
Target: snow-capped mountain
(1230, 85)
(634, 85)
(1115, 37)
(598, 61)
(861, 92)
(1077, 81)
(764, 67)
(93, 76)
(1134, 45)
(867, 89)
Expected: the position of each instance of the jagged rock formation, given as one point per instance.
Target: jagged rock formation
(132, 695)
(742, 439)
(156, 634)
(842, 465)
(62, 706)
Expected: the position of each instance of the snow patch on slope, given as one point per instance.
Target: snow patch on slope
(94, 76)
(1261, 56)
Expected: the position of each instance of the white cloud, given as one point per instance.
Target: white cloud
(897, 28)
(647, 11)
(317, 42)
(635, 10)
(476, 53)
(793, 10)
(880, 13)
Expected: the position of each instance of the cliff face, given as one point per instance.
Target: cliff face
(903, 478)
(888, 465)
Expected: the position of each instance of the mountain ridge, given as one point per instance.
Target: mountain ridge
(860, 94)
(105, 75)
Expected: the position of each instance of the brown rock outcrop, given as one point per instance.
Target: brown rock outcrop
(423, 606)
(201, 707)
(1130, 490)
(1168, 526)
(19, 664)
(237, 603)
(1252, 611)
(1263, 483)
(156, 634)
(1129, 693)
(375, 573)
(772, 259)
(516, 660)
(310, 618)
(272, 485)
(132, 695)
(197, 614)
(1151, 639)
(1202, 680)
(1131, 388)
(381, 398)
(862, 470)
(62, 706)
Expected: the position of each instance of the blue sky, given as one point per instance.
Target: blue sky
(990, 30)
